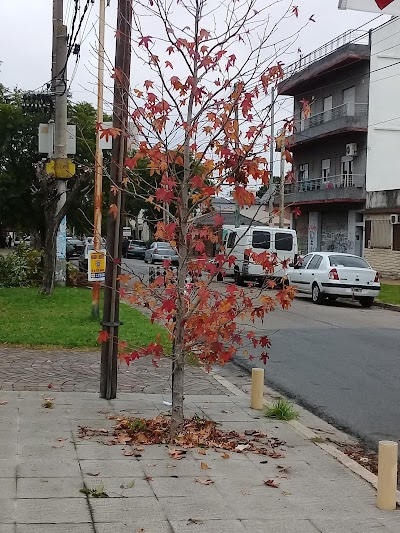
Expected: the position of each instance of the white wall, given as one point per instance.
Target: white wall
(384, 109)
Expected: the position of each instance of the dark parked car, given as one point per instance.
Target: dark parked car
(136, 249)
(74, 247)
(83, 258)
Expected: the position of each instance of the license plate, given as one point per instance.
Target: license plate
(356, 289)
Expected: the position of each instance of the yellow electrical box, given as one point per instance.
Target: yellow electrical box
(61, 168)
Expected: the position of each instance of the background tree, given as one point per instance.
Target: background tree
(223, 61)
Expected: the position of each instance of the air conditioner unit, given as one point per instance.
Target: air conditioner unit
(395, 219)
(351, 149)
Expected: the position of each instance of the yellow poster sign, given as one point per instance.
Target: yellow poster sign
(97, 265)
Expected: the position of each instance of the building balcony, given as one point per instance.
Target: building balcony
(304, 74)
(340, 188)
(341, 119)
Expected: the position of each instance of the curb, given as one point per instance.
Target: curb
(390, 307)
(309, 435)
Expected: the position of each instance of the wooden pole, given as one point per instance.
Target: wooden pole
(109, 348)
(98, 173)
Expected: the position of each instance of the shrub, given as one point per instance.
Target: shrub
(22, 268)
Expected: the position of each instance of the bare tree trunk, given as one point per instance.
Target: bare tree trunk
(49, 258)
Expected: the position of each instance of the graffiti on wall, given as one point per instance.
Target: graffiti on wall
(337, 242)
(312, 238)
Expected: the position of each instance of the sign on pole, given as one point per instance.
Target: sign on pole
(385, 7)
(97, 265)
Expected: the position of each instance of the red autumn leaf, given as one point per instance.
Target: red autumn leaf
(169, 64)
(264, 341)
(113, 210)
(103, 336)
(271, 483)
(296, 212)
(145, 41)
(168, 305)
(295, 11)
(218, 220)
(264, 357)
(109, 132)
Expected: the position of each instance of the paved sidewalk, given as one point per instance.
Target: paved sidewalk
(44, 464)
(68, 371)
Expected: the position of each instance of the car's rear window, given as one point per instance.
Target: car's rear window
(138, 243)
(261, 239)
(283, 241)
(347, 261)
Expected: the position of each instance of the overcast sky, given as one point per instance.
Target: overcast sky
(25, 40)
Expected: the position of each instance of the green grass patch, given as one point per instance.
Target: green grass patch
(281, 409)
(389, 294)
(64, 320)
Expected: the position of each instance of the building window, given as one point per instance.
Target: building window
(303, 177)
(328, 104)
(378, 233)
(396, 237)
(349, 102)
(325, 168)
(347, 171)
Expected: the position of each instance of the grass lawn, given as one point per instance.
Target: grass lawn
(63, 320)
(389, 294)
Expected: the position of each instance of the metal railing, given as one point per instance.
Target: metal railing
(350, 36)
(330, 182)
(344, 110)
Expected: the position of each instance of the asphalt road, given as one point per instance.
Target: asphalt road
(340, 361)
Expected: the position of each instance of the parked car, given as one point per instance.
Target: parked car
(83, 264)
(26, 241)
(279, 241)
(74, 247)
(136, 249)
(335, 275)
(160, 251)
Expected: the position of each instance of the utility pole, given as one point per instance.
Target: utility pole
(282, 184)
(98, 171)
(59, 82)
(271, 161)
(237, 207)
(109, 348)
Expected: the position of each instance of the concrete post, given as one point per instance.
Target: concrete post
(387, 475)
(257, 388)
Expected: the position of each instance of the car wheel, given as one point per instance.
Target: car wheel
(317, 296)
(239, 280)
(367, 301)
(145, 260)
(220, 277)
(152, 261)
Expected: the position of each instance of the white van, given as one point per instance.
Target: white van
(279, 241)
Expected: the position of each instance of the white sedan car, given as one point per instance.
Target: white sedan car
(335, 275)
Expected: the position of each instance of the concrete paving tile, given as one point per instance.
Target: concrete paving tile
(154, 527)
(7, 467)
(98, 452)
(45, 468)
(125, 467)
(8, 487)
(36, 487)
(53, 511)
(209, 526)
(127, 511)
(54, 450)
(350, 525)
(54, 528)
(164, 487)
(170, 467)
(283, 525)
(7, 511)
(118, 487)
(198, 506)
(7, 528)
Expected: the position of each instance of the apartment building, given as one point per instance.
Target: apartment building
(330, 145)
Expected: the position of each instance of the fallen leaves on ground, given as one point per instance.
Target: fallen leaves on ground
(87, 432)
(225, 455)
(177, 454)
(95, 492)
(195, 433)
(93, 474)
(204, 466)
(195, 521)
(48, 403)
(207, 481)
(3, 402)
(271, 483)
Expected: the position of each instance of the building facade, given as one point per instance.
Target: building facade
(329, 144)
(382, 210)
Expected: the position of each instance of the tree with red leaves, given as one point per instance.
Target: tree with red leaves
(201, 75)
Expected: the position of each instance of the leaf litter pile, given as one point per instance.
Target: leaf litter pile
(196, 432)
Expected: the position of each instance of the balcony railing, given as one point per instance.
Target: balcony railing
(326, 183)
(350, 36)
(344, 110)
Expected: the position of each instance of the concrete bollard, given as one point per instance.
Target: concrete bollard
(387, 475)
(257, 388)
